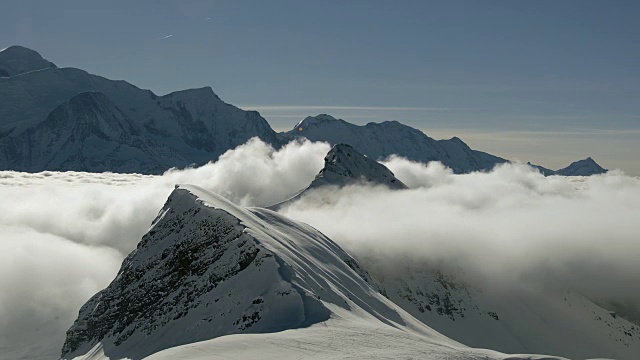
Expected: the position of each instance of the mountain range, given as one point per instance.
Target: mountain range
(55, 118)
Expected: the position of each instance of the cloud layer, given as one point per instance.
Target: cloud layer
(509, 227)
(63, 235)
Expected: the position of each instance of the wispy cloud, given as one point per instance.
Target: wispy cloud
(165, 37)
(342, 108)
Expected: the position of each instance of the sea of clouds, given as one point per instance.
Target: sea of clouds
(64, 235)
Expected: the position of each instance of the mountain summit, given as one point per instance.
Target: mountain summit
(584, 167)
(16, 60)
(343, 165)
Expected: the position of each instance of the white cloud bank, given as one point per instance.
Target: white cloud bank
(510, 226)
(63, 235)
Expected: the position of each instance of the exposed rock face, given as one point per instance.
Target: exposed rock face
(208, 268)
(380, 140)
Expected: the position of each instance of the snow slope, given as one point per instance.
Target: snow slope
(380, 140)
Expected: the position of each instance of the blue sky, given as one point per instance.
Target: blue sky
(541, 81)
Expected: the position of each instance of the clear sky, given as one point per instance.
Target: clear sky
(542, 81)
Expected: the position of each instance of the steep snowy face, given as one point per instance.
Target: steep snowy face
(584, 167)
(86, 133)
(16, 60)
(380, 140)
(208, 268)
(343, 165)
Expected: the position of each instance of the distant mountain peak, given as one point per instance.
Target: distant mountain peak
(583, 167)
(344, 165)
(16, 60)
(313, 120)
(203, 91)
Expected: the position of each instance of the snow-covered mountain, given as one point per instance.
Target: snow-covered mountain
(185, 127)
(343, 166)
(16, 60)
(208, 268)
(176, 130)
(380, 140)
(586, 167)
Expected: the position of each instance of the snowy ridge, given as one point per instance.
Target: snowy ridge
(380, 140)
(208, 268)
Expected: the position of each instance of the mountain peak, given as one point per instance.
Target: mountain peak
(314, 120)
(16, 60)
(205, 91)
(344, 165)
(583, 167)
